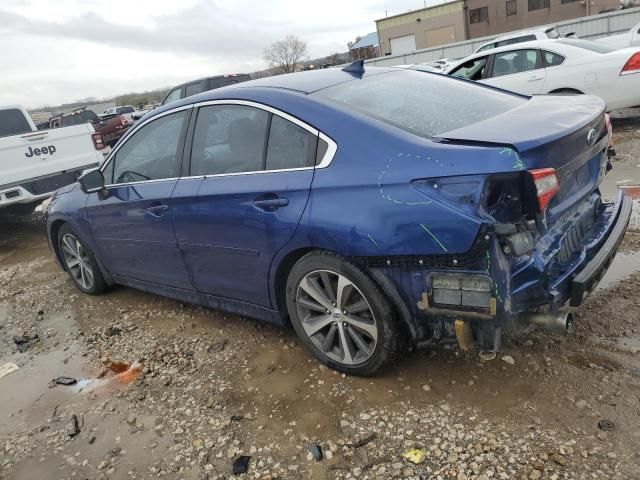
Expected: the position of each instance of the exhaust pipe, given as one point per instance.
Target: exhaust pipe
(560, 322)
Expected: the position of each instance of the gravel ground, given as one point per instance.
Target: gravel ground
(168, 390)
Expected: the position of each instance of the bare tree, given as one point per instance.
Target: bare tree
(286, 55)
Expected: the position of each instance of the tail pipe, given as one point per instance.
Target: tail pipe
(560, 322)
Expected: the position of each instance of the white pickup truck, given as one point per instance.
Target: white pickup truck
(624, 40)
(34, 163)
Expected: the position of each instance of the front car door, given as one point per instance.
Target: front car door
(521, 71)
(132, 222)
(252, 168)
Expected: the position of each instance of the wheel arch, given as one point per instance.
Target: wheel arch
(387, 286)
(569, 90)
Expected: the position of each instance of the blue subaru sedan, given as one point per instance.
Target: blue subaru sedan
(372, 210)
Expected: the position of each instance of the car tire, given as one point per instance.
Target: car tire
(361, 341)
(80, 262)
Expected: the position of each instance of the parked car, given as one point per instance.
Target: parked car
(111, 127)
(623, 40)
(563, 66)
(204, 85)
(521, 36)
(127, 110)
(35, 163)
(369, 209)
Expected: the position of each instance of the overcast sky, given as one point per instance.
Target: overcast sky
(56, 51)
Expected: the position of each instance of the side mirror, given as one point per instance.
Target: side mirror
(92, 181)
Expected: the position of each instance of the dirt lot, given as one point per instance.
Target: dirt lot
(170, 390)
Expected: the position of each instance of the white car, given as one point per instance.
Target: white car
(521, 36)
(562, 66)
(624, 40)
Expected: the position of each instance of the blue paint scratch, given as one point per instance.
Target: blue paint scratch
(372, 240)
(517, 164)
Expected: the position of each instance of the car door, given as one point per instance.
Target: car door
(251, 170)
(520, 71)
(132, 220)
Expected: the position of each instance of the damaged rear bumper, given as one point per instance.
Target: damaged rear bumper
(585, 281)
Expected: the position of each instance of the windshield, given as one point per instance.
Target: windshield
(424, 104)
(587, 45)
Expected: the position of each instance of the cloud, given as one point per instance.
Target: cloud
(59, 51)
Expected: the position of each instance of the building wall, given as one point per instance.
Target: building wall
(433, 26)
(499, 22)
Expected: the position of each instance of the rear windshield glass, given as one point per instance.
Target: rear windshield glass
(587, 45)
(12, 122)
(422, 103)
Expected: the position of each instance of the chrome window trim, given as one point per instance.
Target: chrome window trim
(332, 146)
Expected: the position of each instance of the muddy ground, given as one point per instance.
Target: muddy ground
(168, 390)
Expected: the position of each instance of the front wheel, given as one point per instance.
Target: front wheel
(80, 262)
(341, 314)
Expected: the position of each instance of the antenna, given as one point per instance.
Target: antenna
(356, 68)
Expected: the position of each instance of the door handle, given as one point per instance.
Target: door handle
(156, 210)
(271, 204)
(534, 78)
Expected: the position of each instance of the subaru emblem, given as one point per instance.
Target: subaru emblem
(591, 137)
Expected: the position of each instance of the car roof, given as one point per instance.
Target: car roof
(304, 83)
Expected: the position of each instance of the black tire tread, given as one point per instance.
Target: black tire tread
(99, 285)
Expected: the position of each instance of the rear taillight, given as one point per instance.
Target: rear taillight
(124, 120)
(97, 141)
(632, 65)
(547, 185)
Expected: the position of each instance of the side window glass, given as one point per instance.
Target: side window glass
(151, 153)
(518, 61)
(552, 59)
(472, 70)
(173, 96)
(193, 88)
(229, 139)
(289, 145)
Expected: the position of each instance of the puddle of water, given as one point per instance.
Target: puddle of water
(623, 265)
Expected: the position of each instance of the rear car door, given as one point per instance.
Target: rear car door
(132, 222)
(520, 71)
(250, 174)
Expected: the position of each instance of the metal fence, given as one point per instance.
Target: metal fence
(592, 27)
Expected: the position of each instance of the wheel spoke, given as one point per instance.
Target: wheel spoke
(311, 305)
(88, 273)
(368, 327)
(345, 287)
(328, 287)
(313, 325)
(345, 346)
(357, 307)
(74, 262)
(329, 338)
(83, 280)
(314, 290)
(359, 341)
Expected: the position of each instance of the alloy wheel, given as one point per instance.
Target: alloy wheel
(336, 317)
(77, 261)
